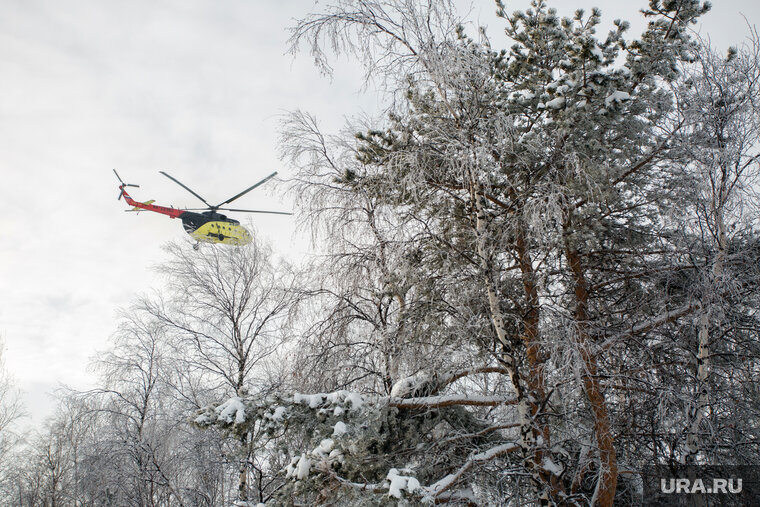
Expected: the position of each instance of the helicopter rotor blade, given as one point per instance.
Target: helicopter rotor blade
(246, 190)
(255, 211)
(239, 210)
(175, 180)
(122, 181)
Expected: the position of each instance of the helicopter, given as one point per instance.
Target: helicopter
(209, 226)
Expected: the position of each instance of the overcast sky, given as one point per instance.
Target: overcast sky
(194, 88)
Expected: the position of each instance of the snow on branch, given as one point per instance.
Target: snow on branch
(343, 429)
(396, 482)
(426, 383)
(448, 401)
(482, 457)
(452, 377)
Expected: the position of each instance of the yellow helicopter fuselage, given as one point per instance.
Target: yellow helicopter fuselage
(223, 232)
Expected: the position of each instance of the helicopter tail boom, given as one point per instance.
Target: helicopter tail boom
(147, 205)
(140, 209)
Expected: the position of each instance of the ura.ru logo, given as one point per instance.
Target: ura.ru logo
(698, 486)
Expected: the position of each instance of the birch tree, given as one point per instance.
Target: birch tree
(719, 101)
(375, 287)
(129, 422)
(226, 306)
(226, 310)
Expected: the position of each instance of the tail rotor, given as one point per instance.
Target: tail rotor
(121, 187)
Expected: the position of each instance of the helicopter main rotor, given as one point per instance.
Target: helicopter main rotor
(219, 206)
(175, 180)
(238, 210)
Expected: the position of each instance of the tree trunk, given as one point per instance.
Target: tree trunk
(607, 484)
(534, 437)
(693, 440)
(243, 472)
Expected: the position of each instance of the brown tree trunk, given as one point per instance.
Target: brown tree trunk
(605, 494)
(536, 360)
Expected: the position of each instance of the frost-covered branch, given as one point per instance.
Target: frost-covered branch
(449, 401)
(386, 36)
(651, 324)
(479, 458)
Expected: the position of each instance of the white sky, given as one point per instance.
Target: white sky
(193, 88)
